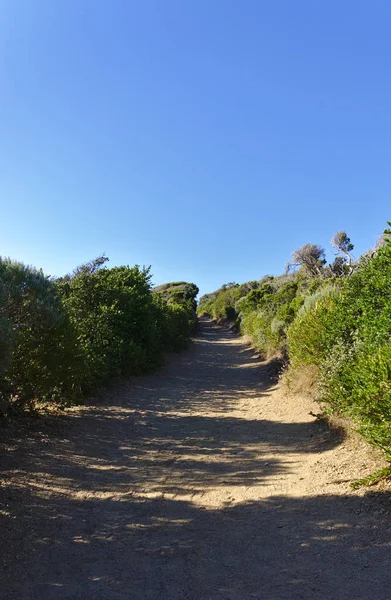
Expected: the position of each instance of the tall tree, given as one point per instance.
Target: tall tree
(310, 257)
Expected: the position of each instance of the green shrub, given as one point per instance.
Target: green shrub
(59, 338)
(38, 345)
(176, 303)
(345, 330)
(356, 381)
(224, 306)
(175, 323)
(180, 292)
(335, 323)
(265, 314)
(112, 313)
(254, 300)
(356, 376)
(310, 335)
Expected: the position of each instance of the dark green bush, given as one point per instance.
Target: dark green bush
(111, 311)
(59, 338)
(38, 345)
(175, 324)
(177, 305)
(345, 331)
(356, 376)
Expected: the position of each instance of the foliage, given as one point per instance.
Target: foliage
(220, 304)
(60, 338)
(38, 346)
(372, 479)
(178, 318)
(266, 313)
(341, 241)
(342, 265)
(223, 304)
(310, 335)
(334, 320)
(111, 311)
(261, 309)
(175, 323)
(347, 333)
(311, 258)
(356, 377)
(180, 292)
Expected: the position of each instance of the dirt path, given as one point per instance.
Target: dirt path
(201, 482)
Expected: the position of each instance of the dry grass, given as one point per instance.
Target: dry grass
(301, 380)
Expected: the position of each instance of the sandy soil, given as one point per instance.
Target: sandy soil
(201, 482)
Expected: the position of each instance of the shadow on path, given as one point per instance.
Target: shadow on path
(106, 502)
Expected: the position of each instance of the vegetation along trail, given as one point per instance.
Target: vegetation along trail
(200, 482)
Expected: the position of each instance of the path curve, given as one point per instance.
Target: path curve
(200, 482)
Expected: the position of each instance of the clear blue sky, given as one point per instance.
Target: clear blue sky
(208, 138)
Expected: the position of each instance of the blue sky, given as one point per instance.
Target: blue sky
(208, 138)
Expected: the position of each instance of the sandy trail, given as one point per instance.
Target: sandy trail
(201, 482)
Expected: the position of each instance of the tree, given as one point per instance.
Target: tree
(341, 241)
(342, 265)
(310, 257)
(86, 268)
(339, 268)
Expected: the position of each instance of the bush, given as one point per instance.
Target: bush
(310, 336)
(345, 330)
(335, 323)
(356, 377)
(356, 381)
(38, 345)
(177, 305)
(111, 311)
(223, 308)
(175, 323)
(266, 313)
(60, 338)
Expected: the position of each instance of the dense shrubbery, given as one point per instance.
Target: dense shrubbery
(261, 309)
(60, 338)
(177, 306)
(112, 313)
(351, 343)
(38, 344)
(335, 318)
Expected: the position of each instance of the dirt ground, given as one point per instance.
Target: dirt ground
(200, 482)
